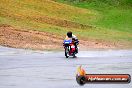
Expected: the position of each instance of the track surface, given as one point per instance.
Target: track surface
(42, 69)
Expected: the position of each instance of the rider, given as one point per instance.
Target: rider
(73, 37)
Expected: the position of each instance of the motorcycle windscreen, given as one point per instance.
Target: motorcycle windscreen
(67, 41)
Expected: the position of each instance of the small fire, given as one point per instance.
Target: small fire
(81, 71)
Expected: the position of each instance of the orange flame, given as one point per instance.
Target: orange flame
(81, 71)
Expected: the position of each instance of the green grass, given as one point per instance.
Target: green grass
(117, 19)
(113, 14)
(111, 23)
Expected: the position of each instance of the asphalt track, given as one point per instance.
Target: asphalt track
(50, 69)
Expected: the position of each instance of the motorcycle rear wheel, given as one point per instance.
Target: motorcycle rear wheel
(74, 56)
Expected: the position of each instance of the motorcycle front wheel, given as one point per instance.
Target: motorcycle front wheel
(66, 52)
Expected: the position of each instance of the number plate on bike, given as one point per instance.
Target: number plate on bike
(72, 46)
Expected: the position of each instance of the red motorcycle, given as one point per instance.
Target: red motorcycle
(70, 49)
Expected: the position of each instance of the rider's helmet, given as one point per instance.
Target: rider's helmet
(69, 34)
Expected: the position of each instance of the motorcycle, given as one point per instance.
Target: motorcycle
(70, 49)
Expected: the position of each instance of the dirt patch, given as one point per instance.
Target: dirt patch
(30, 39)
(49, 20)
(21, 38)
(60, 22)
